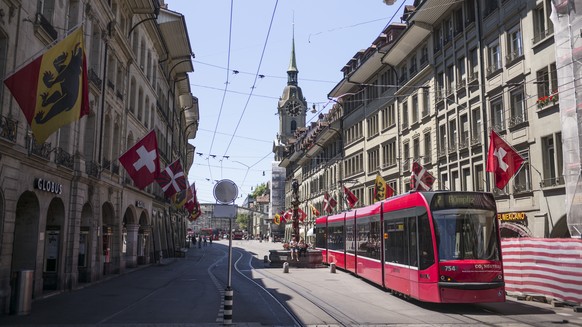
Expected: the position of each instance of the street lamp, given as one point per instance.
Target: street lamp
(295, 203)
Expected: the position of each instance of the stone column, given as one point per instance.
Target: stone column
(131, 238)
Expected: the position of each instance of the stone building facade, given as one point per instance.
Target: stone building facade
(68, 211)
(430, 90)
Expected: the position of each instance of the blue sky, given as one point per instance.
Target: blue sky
(238, 126)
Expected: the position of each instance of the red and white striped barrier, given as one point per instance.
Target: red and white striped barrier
(547, 267)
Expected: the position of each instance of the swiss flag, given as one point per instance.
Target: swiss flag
(502, 160)
(190, 198)
(420, 179)
(302, 214)
(141, 161)
(350, 197)
(328, 203)
(172, 179)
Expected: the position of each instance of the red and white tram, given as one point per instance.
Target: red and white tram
(437, 246)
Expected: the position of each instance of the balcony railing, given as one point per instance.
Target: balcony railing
(106, 164)
(517, 120)
(8, 128)
(92, 169)
(40, 150)
(552, 181)
(539, 36)
(63, 158)
(521, 188)
(94, 78)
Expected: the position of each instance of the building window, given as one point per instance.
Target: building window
(476, 126)
(389, 152)
(374, 159)
(427, 148)
(455, 182)
(518, 110)
(473, 65)
(514, 44)
(552, 160)
(416, 149)
(467, 183)
(442, 140)
(412, 68)
(464, 140)
(522, 181)
(440, 87)
(542, 25)
(406, 156)
(372, 123)
(461, 73)
(497, 115)
(415, 109)
(453, 135)
(547, 82)
(479, 179)
(405, 114)
(450, 79)
(494, 57)
(388, 117)
(426, 102)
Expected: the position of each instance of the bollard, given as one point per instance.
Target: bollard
(332, 268)
(227, 306)
(285, 267)
(24, 292)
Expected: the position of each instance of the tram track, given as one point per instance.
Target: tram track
(338, 317)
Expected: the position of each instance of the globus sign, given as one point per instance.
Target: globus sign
(48, 186)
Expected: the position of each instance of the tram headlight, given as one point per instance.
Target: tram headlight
(447, 279)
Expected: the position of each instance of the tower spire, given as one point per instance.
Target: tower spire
(292, 70)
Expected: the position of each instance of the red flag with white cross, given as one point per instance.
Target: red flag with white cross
(172, 179)
(420, 179)
(502, 160)
(141, 161)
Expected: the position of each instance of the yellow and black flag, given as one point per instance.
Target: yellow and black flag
(277, 219)
(381, 189)
(52, 90)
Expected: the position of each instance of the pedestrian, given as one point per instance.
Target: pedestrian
(205, 240)
(210, 240)
(302, 248)
(199, 241)
(293, 248)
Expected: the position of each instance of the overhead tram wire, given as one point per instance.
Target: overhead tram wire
(225, 85)
(255, 80)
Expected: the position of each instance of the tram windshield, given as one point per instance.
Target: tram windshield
(466, 234)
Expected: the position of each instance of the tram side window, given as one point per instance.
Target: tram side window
(413, 242)
(369, 238)
(336, 238)
(320, 237)
(425, 242)
(396, 249)
(350, 242)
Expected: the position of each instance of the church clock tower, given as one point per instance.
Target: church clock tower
(291, 106)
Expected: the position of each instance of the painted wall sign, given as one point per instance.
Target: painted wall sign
(48, 186)
(139, 204)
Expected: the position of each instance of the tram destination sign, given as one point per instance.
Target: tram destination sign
(462, 200)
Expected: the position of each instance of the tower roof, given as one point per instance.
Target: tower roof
(293, 62)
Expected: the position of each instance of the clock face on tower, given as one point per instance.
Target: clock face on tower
(293, 107)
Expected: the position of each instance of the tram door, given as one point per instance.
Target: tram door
(413, 255)
(51, 257)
